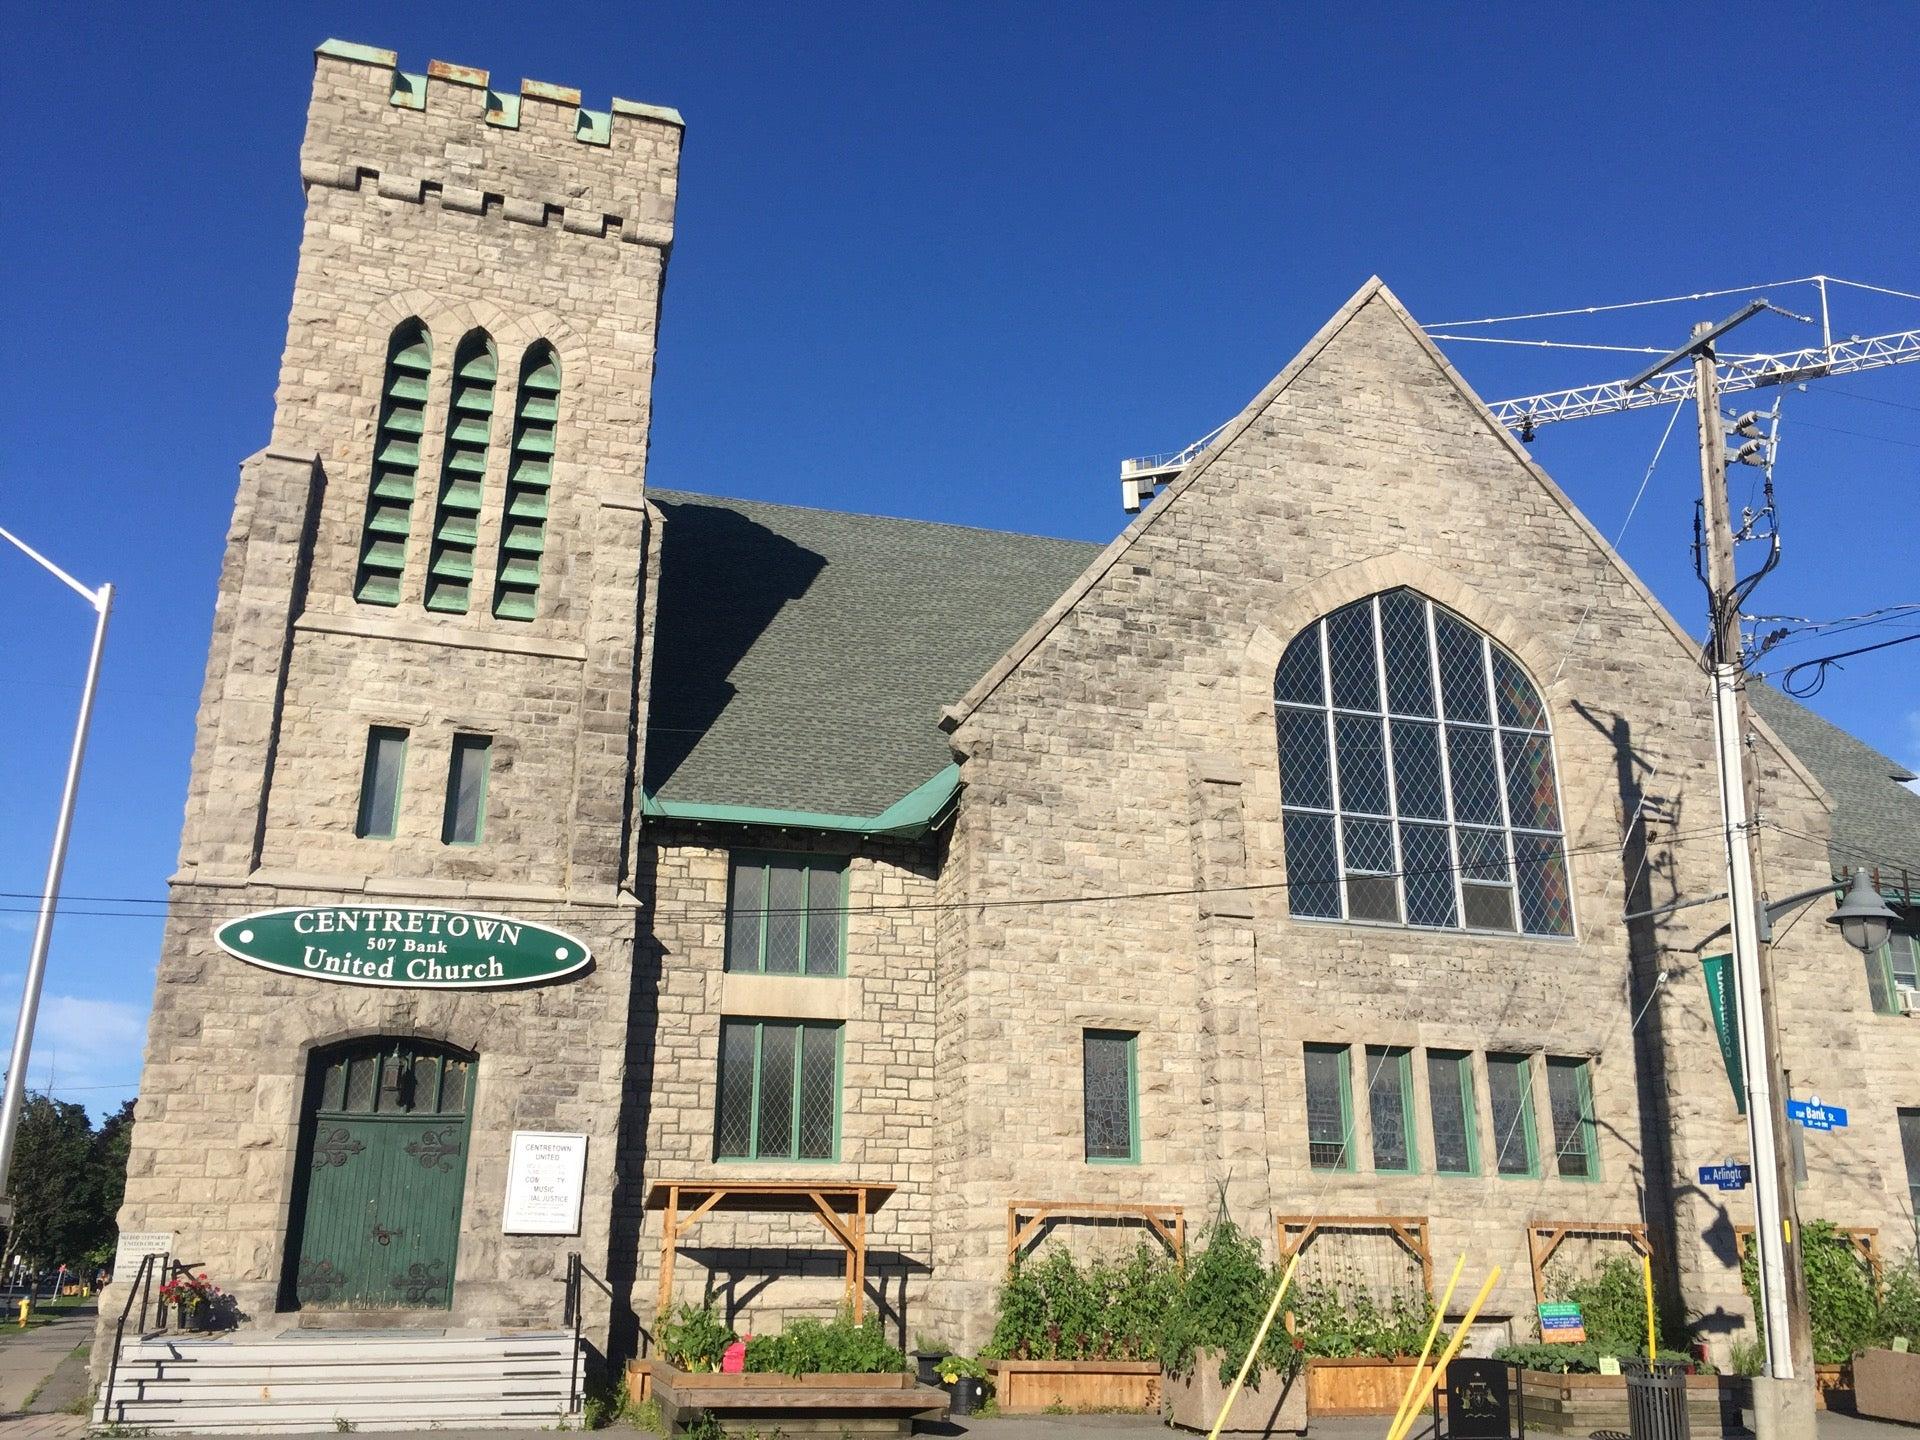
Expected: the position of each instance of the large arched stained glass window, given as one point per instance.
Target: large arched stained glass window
(1416, 771)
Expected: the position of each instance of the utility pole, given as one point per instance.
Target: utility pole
(1784, 1396)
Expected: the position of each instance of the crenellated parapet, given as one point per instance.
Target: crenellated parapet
(534, 155)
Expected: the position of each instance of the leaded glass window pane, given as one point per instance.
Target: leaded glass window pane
(1363, 764)
(779, 1091)
(1510, 1094)
(1465, 791)
(778, 1046)
(380, 784)
(1298, 679)
(819, 1090)
(786, 916)
(1569, 1098)
(1108, 1094)
(733, 1124)
(1327, 1102)
(1313, 873)
(785, 913)
(749, 899)
(1389, 1105)
(823, 921)
(1304, 778)
(1450, 1094)
(1350, 659)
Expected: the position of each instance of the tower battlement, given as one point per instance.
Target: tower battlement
(534, 155)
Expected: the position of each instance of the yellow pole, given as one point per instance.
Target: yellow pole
(1254, 1349)
(1440, 1365)
(1433, 1330)
(1646, 1274)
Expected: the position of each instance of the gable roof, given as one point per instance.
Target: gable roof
(802, 657)
(1876, 819)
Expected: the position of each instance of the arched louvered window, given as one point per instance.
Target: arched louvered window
(523, 526)
(1416, 772)
(396, 465)
(463, 470)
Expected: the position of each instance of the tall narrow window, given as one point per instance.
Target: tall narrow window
(785, 914)
(1910, 1147)
(1510, 1095)
(396, 465)
(463, 470)
(467, 776)
(1416, 771)
(1450, 1094)
(1110, 1089)
(779, 1091)
(380, 783)
(1893, 974)
(1390, 1106)
(1570, 1097)
(523, 526)
(1329, 1113)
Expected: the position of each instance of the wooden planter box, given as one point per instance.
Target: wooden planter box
(1833, 1387)
(1030, 1387)
(1582, 1404)
(1192, 1401)
(1364, 1385)
(830, 1405)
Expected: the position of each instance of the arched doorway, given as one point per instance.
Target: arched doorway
(382, 1168)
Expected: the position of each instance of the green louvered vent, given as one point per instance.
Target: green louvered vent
(396, 466)
(523, 526)
(463, 472)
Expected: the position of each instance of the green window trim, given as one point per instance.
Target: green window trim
(396, 465)
(1893, 971)
(1522, 1119)
(1458, 1066)
(1584, 1135)
(1131, 1039)
(750, 903)
(524, 513)
(752, 1152)
(382, 776)
(1400, 1059)
(463, 475)
(1342, 1159)
(469, 772)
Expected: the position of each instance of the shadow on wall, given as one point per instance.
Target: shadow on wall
(740, 1281)
(723, 579)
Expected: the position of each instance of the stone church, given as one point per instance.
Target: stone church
(785, 907)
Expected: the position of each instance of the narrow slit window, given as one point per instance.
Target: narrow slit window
(396, 466)
(1110, 1096)
(778, 1092)
(467, 778)
(1450, 1094)
(1390, 1106)
(1510, 1095)
(463, 473)
(380, 784)
(1329, 1108)
(523, 522)
(1570, 1097)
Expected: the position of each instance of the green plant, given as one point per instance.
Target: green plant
(1059, 1309)
(705, 1426)
(1339, 1324)
(1843, 1303)
(643, 1414)
(810, 1347)
(1749, 1357)
(1219, 1304)
(1613, 1306)
(925, 1344)
(1583, 1359)
(693, 1338)
(1900, 1302)
(959, 1367)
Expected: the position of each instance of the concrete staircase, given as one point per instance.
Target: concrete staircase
(325, 1381)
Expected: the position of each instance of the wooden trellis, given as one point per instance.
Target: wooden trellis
(1545, 1236)
(1863, 1237)
(1294, 1232)
(1025, 1217)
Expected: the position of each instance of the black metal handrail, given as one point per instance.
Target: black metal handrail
(570, 1315)
(141, 1287)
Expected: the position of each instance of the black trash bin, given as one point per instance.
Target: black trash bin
(1656, 1399)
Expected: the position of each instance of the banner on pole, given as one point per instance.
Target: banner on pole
(1718, 970)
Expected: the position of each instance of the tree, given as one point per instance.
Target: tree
(67, 1182)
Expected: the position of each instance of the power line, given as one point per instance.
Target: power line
(1677, 299)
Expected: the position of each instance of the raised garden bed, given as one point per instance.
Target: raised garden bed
(764, 1404)
(1031, 1387)
(1192, 1401)
(1362, 1385)
(1582, 1404)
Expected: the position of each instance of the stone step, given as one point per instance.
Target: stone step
(335, 1348)
(423, 1387)
(258, 1419)
(181, 1372)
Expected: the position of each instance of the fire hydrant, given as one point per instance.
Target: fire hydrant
(26, 1309)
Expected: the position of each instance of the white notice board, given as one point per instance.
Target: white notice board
(134, 1246)
(546, 1175)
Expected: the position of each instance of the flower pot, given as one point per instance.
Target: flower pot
(1192, 1401)
(926, 1364)
(968, 1393)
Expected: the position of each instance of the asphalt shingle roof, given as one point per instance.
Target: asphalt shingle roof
(803, 657)
(1876, 819)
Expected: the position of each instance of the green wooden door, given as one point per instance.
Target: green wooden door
(383, 1166)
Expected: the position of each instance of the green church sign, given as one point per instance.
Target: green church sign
(408, 946)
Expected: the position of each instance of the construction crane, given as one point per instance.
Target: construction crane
(1141, 478)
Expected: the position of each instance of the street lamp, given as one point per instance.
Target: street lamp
(102, 602)
(1863, 917)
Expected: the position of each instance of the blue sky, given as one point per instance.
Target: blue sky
(951, 262)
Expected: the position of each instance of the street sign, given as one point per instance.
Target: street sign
(1562, 1324)
(1815, 1116)
(1730, 1176)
